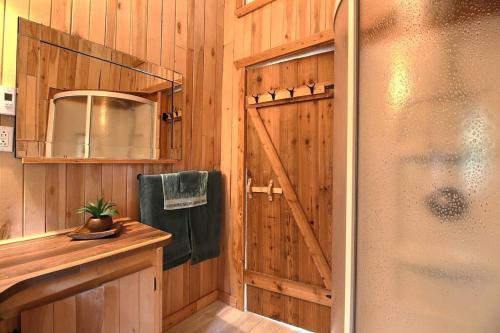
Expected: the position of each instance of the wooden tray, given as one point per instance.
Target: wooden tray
(82, 233)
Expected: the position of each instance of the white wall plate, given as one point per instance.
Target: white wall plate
(7, 101)
(6, 138)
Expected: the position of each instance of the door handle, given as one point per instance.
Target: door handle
(270, 190)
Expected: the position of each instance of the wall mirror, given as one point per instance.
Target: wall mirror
(79, 101)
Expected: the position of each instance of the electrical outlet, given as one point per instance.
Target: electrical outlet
(6, 138)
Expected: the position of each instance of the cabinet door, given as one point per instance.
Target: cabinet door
(124, 305)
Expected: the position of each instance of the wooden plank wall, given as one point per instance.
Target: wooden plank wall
(275, 24)
(185, 35)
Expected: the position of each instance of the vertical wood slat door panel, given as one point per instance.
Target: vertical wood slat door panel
(65, 312)
(38, 320)
(120, 306)
(129, 303)
(89, 311)
(300, 134)
(9, 325)
(111, 308)
(146, 301)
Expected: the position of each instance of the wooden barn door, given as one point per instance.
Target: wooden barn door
(288, 239)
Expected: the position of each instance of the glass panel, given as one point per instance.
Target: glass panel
(429, 148)
(68, 138)
(121, 129)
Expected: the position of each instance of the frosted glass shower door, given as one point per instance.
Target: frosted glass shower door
(428, 216)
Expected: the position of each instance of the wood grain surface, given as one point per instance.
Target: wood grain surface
(30, 258)
(43, 198)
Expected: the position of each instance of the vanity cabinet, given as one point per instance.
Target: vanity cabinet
(52, 284)
(119, 306)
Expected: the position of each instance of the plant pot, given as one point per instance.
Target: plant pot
(102, 223)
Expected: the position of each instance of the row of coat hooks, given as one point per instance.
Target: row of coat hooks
(176, 114)
(311, 88)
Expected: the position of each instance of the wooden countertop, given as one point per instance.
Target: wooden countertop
(31, 257)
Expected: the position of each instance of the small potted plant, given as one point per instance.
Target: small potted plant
(101, 213)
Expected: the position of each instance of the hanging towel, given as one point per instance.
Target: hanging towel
(184, 189)
(205, 222)
(175, 222)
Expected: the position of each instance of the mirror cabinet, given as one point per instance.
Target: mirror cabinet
(80, 101)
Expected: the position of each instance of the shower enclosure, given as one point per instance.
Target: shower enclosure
(426, 214)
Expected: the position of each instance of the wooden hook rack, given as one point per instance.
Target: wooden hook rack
(269, 189)
(312, 89)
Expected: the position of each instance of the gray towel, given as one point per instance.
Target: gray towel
(205, 222)
(195, 231)
(175, 222)
(184, 189)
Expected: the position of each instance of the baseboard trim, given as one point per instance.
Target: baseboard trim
(176, 317)
(229, 300)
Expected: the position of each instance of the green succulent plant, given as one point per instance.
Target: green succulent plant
(99, 209)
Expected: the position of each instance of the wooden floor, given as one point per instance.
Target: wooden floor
(221, 318)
